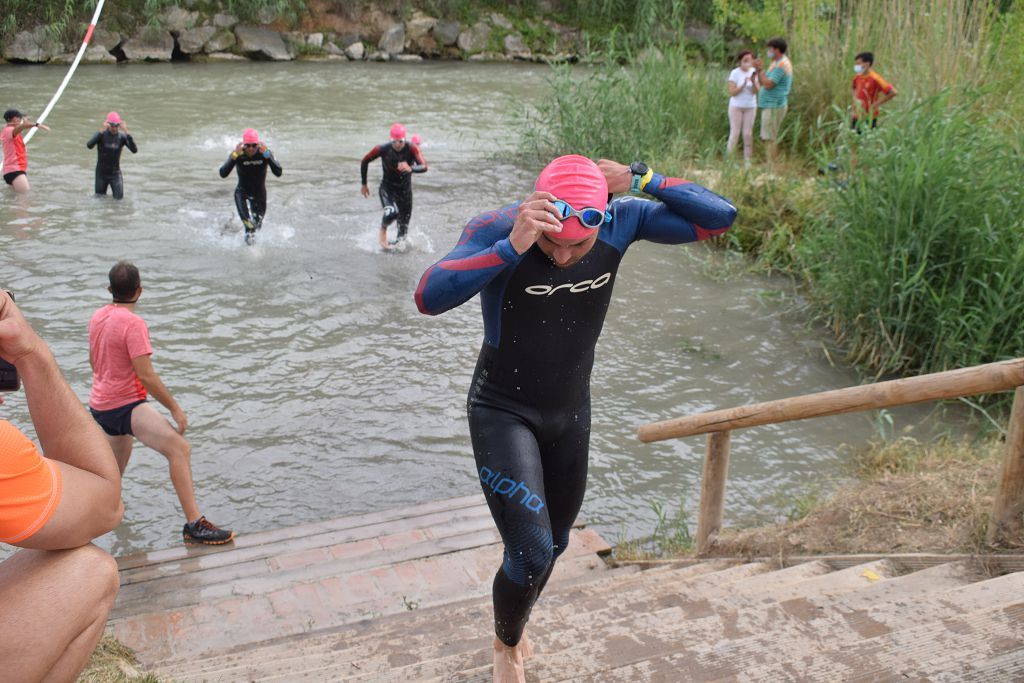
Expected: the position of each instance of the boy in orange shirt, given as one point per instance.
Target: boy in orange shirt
(870, 90)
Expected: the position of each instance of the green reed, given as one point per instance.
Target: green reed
(917, 260)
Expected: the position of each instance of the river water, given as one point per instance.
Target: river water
(314, 388)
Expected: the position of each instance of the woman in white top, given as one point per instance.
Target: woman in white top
(743, 87)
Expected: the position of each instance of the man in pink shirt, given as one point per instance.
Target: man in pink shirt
(15, 166)
(123, 376)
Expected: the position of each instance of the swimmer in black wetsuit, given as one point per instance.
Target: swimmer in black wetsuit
(250, 159)
(544, 269)
(111, 139)
(399, 160)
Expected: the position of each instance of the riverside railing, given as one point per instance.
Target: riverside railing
(1007, 520)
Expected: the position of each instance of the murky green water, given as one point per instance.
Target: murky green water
(313, 387)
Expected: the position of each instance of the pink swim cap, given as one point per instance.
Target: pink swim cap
(397, 132)
(578, 181)
(416, 139)
(250, 136)
(113, 117)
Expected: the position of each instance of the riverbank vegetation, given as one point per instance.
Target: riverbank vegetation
(907, 238)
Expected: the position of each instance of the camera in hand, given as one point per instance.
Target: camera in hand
(9, 380)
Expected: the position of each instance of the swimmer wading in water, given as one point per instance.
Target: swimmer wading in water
(251, 159)
(544, 268)
(399, 160)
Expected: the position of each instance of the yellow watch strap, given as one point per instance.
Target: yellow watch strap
(646, 179)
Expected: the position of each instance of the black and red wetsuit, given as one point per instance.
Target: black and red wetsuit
(395, 187)
(251, 191)
(529, 401)
(108, 160)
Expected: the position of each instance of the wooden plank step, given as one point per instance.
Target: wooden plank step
(832, 583)
(322, 541)
(179, 553)
(449, 621)
(359, 550)
(292, 607)
(950, 646)
(796, 574)
(572, 597)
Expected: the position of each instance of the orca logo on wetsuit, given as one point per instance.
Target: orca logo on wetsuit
(504, 486)
(573, 288)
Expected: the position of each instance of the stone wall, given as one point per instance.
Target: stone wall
(183, 34)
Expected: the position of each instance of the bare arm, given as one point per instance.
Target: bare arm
(143, 366)
(90, 503)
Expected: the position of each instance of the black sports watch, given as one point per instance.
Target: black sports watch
(639, 169)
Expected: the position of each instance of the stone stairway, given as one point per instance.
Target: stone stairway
(412, 614)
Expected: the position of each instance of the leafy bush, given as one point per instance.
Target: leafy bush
(917, 260)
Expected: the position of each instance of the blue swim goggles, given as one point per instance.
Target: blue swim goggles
(589, 217)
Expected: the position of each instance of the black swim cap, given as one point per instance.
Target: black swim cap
(11, 113)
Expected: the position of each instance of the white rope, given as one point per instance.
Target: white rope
(71, 71)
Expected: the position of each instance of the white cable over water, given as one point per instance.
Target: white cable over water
(71, 71)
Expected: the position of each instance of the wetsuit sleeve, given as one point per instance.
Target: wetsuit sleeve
(421, 164)
(94, 140)
(482, 253)
(370, 156)
(687, 212)
(225, 170)
(275, 167)
(129, 143)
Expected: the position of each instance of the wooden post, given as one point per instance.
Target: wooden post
(712, 490)
(1006, 524)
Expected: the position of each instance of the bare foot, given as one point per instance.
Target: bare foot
(508, 663)
(383, 239)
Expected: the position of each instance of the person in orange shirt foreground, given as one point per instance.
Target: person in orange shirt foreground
(55, 594)
(870, 90)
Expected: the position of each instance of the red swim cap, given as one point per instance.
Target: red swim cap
(397, 132)
(113, 117)
(578, 181)
(251, 137)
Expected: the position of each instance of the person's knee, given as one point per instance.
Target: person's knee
(95, 572)
(179, 449)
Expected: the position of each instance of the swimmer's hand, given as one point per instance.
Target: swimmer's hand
(617, 175)
(365, 191)
(179, 419)
(404, 167)
(17, 338)
(536, 215)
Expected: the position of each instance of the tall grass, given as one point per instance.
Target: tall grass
(917, 260)
(658, 109)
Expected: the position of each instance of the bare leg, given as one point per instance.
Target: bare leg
(153, 430)
(53, 608)
(382, 238)
(122, 447)
(508, 663)
(20, 184)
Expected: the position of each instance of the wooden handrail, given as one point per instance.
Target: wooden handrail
(1007, 522)
(981, 379)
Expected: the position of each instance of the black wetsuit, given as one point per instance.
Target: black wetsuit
(395, 187)
(251, 191)
(108, 160)
(529, 402)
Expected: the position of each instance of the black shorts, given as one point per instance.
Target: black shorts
(117, 421)
(9, 177)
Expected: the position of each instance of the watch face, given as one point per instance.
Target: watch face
(638, 168)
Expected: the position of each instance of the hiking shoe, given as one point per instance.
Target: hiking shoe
(204, 531)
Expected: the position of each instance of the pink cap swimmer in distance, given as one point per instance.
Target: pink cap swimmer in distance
(397, 131)
(251, 137)
(416, 140)
(577, 181)
(113, 117)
